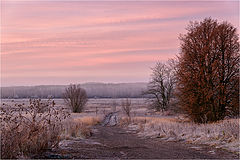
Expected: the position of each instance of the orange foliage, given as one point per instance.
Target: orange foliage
(208, 71)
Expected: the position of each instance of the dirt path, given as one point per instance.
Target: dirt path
(117, 143)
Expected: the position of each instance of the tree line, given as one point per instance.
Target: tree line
(94, 90)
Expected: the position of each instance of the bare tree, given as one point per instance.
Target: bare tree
(75, 97)
(114, 106)
(162, 84)
(126, 107)
(208, 71)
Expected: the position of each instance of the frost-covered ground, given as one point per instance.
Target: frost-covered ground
(223, 134)
(99, 106)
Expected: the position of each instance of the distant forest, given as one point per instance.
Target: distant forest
(94, 90)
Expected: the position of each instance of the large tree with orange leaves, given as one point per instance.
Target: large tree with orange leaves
(208, 71)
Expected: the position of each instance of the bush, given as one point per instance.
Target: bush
(26, 131)
(76, 98)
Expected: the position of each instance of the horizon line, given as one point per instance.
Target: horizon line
(74, 83)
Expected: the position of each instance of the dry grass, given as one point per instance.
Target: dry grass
(222, 134)
(125, 121)
(90, 121)
(28, 129)
(79, 127)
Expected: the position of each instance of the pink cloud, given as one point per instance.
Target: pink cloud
(89, 39)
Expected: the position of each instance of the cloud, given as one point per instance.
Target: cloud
(98, 40)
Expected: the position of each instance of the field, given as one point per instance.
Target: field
(100, 106)
(143, 122)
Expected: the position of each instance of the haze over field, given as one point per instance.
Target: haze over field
(54, 42)
(94, 90)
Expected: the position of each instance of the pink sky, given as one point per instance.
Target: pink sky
(54, 42)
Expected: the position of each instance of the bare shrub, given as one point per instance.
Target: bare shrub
(25, 130)
(126, 107)
(114, 106)
(75, 97)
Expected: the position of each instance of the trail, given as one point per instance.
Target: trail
(118, 143)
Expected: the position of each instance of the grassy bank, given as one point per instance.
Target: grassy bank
(223, 134)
